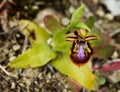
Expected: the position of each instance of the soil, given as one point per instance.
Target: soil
(13, 43)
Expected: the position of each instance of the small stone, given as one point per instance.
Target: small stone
(36, 90)
(40, 76)
(35, 7)
(27, 81)
(31, 73)
(65, 21)
(11, 53)
(12, 85)
(6, 51)
(49, 75)
(16, 47)
(13, 41)
(66, 86)
(96, 1)
(64, 90)
(118, 90)
(100, 12)
(47, 81)
(109, 16)
(18, 35)
(71, 9)
(12, 58)
(36, 82)
(115, 55)
(115, 77)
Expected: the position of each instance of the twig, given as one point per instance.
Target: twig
(51, 68)
(2, 3)
(3, 33)
(24, 45)
(112, 33)
(7, 73)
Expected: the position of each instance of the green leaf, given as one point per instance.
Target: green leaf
(90, 22)
(37, 56)
(52, 24)
(75, 18)
(82, 75)
(59, 42)
(104, 52)
(100, 80)
(33, 31)
(77, 15)
(96, 32)
(102, 47)
(82, 25)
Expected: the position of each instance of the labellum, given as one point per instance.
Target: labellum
(81, 49)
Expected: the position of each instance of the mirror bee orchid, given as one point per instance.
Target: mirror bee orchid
(81, 49)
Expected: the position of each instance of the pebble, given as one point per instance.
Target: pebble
(64, 90)
(31, 73)
(18, 35)
(12, 85)
(109, 16)
(71, 9)
(35, 7)
(65, 21)
(49, 75)
(6, 51)
(96, 1)
(115, 77)
(16, 47)
(115, 55)
(12, 58)
(11, 53)
(28, 82)
(118, 90)
(100, 12)
(40, 76)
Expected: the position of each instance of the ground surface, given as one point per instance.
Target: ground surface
(13, 43)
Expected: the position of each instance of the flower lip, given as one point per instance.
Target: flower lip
(81, 49)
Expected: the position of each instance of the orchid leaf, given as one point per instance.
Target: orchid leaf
(104, 52)
(37, 56)
(95, 32)
(100, 80)
(60, 43)
(90, 22)
(113, 66)
(33, 31)
(83, 75)
(77, 15)
(74, 85)
(75, 18)
(102, 49)
(52, 24)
